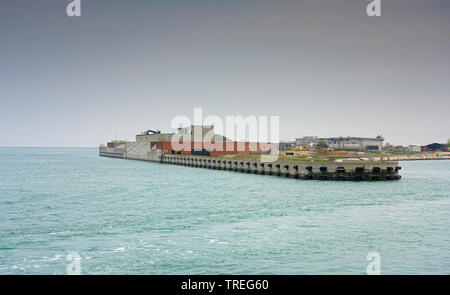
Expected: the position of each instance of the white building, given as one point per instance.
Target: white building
(414, 148)
(348, 143)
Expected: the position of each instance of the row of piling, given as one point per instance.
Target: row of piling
(383, 170)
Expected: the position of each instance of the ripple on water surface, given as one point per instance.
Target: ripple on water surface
(138, 217)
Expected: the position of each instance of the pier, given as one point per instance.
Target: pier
(356, 171)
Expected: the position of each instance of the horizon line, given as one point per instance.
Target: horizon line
(47, 147)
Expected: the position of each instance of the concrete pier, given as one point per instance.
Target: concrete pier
(362, 170)
(386, 170)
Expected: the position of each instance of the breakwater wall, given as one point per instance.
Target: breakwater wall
(362, 170)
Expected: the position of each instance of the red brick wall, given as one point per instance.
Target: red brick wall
(219, 148)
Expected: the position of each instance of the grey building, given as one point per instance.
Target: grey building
(364, 144)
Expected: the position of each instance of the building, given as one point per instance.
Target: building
(306, 141)
(434, 147)
(192, 140)
(343, 143)
(414, 148)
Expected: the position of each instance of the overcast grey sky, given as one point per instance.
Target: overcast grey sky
(324, 67)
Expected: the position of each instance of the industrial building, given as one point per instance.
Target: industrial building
(199, 146)
(434, 147)
(363, 144)
(192, 140)
(414, 148)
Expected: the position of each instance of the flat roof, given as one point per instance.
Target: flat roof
(341, 137)
(155, 134)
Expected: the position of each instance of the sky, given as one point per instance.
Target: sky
(324, 67)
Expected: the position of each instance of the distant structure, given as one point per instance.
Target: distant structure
(193, 140)
(414, 148)
(286, 145)
(363, 144)
(434, 147)
(198, 146)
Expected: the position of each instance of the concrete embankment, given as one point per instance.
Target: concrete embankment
(378, 170)
(421, 157)
(301, 170)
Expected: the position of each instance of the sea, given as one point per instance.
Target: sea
(65, 211)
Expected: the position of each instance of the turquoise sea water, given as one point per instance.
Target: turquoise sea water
(134, 217)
